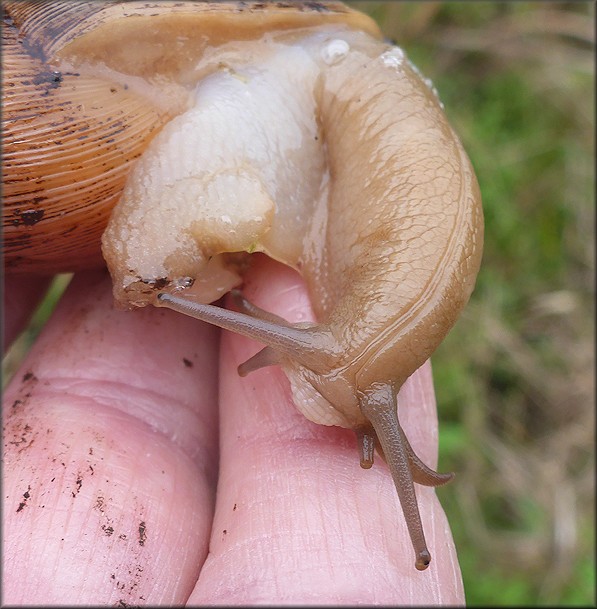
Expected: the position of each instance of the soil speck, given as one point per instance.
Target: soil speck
(142, 533)
(26, 496)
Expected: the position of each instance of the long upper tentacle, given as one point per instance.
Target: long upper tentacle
(379, 406)
(305, 345)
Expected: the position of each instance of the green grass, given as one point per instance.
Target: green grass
(42, 313)
(514, 379)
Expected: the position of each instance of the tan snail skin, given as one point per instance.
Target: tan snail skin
(282, 129)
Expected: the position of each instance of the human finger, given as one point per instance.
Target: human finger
(110, 455)
(297, 520)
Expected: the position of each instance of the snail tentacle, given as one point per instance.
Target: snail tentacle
(262, 359)
(304, 345)
(378, 404)
(421, 473)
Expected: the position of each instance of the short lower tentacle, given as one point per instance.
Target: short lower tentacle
(266, 357)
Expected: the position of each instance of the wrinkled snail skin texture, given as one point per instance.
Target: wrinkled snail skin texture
(343, 167)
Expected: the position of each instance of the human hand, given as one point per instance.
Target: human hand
(139, 471)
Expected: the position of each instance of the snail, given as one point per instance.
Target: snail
(198, 133)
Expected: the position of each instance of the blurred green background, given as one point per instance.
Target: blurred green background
(515, 378)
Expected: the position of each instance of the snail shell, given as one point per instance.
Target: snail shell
(374, 200)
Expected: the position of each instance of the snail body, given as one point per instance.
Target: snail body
(343, 167)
